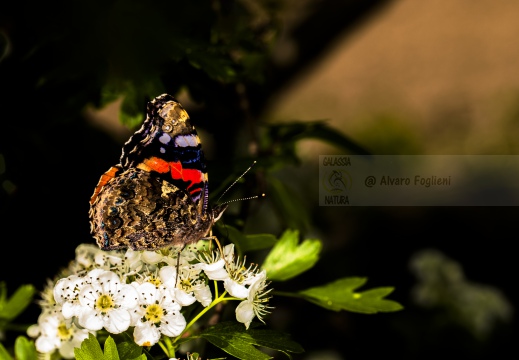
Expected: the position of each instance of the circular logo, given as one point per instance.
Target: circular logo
(336, 181)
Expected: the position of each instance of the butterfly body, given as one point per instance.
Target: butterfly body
(158, 195)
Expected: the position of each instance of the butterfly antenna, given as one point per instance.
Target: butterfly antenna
(235, 181)
(247, 198)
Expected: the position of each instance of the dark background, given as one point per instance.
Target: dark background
(59, 58)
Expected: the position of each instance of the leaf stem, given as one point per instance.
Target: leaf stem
(170, 351)
(163, 347)
(289, 294)
(217, 300)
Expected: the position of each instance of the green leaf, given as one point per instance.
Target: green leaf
(287, 259)
(111, 349)
(24, 349)
(245, 243)
(340, 295)
(292, 211)
(4, 354)
(258, 242)
(141, 357)
(232, 338)
(134, 96)
(14, 306)
(89, 350)
(216, 66)
(130, 350)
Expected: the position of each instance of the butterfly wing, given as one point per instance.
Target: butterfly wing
(158, 195)
(168, 145)
(137, 209)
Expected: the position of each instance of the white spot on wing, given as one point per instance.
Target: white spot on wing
(162, 150)
(165, 138)
(186, 140)
(180, 141)
(193, 140)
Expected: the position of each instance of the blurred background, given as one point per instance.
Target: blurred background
(280, 82)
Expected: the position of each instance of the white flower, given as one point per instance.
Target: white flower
(85, 254)
(240, 278)
(107, 259)
(56, 332)
(151, 257)
(94, 292)
(132, 262)
(214, 265)
(245, 312)
(167, 255)
(256, 302)
(89, 256)
(106, 302)
(203, 294)
(186, 287)
(66, 293)
(158, 313)
(47, 302)
(216, 270)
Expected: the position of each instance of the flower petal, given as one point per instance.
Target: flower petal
(173, 325)
(203, 295)
(151, 257)
(45, 344)
(70, 309)
(168, 276)
(89, 319)
(127, 296)
(235, 289)
(245, 312)
(183, 298)
(87, 296)
(146, 334)
(117, 321)
(215, 271)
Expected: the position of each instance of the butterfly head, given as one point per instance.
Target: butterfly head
(217, 211)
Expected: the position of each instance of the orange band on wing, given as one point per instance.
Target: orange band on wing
(157, 164)
(106, 177)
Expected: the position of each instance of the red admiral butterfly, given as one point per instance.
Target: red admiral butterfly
(157, 195)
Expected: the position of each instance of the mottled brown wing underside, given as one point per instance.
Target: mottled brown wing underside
(138, 210)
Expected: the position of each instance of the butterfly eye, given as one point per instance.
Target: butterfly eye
(167, 127)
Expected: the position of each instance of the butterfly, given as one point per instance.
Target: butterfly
(157, 196)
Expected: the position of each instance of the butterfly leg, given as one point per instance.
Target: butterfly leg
(178, 263)
(212, 238)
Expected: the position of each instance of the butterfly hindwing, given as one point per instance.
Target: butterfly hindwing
(139, 210)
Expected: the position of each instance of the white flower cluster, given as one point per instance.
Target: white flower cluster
(121, 290)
